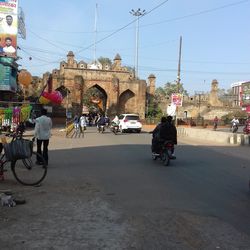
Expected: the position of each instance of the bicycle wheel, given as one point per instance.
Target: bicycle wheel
(28, 171)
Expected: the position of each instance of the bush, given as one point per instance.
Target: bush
(241, 115)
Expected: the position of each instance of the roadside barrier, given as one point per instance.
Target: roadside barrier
(215, 136)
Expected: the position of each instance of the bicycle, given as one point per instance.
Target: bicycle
(27, 171)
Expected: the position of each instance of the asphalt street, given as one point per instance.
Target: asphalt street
(201, 201)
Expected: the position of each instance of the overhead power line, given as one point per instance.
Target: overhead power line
(196, 71)
(122, 28)
(160, 22)
(46, 40)
(196, 13)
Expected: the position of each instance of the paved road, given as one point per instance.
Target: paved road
(105, 192)
(227, 129)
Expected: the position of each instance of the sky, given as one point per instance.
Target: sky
(215, 38)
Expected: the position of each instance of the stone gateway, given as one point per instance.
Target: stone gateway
(121, 91)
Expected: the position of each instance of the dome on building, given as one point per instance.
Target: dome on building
(117, 57)
(70, 53)
(151, 76)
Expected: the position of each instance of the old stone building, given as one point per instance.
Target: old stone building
(121, 91)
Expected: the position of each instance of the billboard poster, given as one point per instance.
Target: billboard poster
(245, 96)
(9, 6)
(8, 74)
(8, 28)
(176, 99)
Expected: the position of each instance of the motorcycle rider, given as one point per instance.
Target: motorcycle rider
(168, 132)
(234, 123)
(156, 140)
(216, 120)
(101, 121)
(115, 121)
(164, 131)
(246, 129)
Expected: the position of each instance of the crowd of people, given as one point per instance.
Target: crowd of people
(81, 122)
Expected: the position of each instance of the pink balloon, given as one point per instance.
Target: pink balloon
(46, 94)
(55, 97)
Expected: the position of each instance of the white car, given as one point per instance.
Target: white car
(130, 122)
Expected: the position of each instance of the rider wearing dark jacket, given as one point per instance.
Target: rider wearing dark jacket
(101, 121)
(168, 131)
(156, 136)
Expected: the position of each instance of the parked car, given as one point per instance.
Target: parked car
(129, 122)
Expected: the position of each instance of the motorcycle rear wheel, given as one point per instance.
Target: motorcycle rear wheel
(165, 158)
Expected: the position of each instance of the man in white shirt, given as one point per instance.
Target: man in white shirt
(7, 26)
(42, 133)
(9, 49)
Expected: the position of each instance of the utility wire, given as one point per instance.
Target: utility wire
(196, 14)
(169, 20)
(198, 72)
(46, 40)
(122, 28)
(156, 23)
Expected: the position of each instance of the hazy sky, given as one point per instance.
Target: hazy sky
(215, 37)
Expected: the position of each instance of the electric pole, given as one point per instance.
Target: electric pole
(178, 78)
(179, 67)
(138, 13)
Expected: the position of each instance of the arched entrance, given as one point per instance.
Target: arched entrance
(126, 102)
(95, 98)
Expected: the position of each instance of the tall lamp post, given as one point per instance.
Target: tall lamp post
(178, 78)
(137, 13)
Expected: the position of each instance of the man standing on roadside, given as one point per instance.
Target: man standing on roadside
(42, 133)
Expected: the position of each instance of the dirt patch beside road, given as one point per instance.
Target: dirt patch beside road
(72, 216)
(77, 216)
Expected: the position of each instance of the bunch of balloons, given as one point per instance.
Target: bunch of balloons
(24, 78)
(54, 97)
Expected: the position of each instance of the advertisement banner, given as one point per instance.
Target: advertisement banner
(176, 99)
(245, 96)
(8, 28)
(8, 74)
(171, 109)
(9, 6)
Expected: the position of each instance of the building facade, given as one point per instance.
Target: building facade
(121, 91)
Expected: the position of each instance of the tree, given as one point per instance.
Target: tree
(130, 69)
(92, 93)
(226, 95)
(153, 108)
(105, 61)
(170, 88)
(167, 90)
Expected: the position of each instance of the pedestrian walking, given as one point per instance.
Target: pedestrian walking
(42, 133)
(83, 123)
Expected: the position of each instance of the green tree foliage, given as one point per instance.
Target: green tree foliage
(92, 92)
(153, 109)
(165, 92)
(130, 69)
(170, 88)
(241, 115)
(226, 96)
(105, 61)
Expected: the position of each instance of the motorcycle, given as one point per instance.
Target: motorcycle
(101, 128)
(114, 128)
(234, 127)
(165, 153)
(246, 129)
(215, 126)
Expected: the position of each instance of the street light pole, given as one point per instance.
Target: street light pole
(138, 13)
(178, 81)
